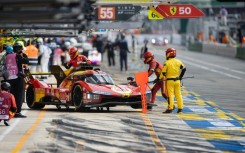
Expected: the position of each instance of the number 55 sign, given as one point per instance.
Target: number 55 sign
(116, 12)
(106, 13)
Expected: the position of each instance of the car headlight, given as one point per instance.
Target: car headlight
(92, 96)
(101, 92)
(153, 41)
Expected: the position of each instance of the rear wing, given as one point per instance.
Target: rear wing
(58, 73)
(56, 70)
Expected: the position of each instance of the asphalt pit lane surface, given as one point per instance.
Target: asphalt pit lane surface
(73, 134)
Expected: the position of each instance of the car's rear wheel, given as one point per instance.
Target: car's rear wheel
(77, 97)
(30, 95)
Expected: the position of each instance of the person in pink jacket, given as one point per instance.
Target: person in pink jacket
(7, 103)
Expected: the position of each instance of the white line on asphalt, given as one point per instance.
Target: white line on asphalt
(9, 129)
(212, 70)
(207, 68)
(214, 65)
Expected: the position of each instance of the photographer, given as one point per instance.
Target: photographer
(16, 79)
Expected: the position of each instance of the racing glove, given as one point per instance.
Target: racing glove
(156, 80)
(67, 66)
(182, 73)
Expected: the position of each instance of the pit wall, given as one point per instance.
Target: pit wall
(218, 49)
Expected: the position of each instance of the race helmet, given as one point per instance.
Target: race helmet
(73, 52)
(5, 86)
(148, 57)
(17, 47)
(170, 52)
(9, 49)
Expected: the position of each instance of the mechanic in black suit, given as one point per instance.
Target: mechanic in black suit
(123, 47)
(109, 47)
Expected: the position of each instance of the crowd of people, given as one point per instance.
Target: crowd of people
(36, 55)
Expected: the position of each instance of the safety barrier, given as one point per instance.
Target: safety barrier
(240, 53)
(196, 47)
(219, 49)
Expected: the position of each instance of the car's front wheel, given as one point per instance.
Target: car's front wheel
(77, 97)
(136, 106)
(30, 95)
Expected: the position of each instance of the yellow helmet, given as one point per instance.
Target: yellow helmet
(20, 42)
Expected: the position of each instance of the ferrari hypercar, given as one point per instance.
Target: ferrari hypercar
(160, 41)
(83, 88)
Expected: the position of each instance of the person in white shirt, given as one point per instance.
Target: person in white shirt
(223, 13)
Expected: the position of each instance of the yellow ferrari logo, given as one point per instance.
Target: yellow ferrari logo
(125, 95)
(173, 10)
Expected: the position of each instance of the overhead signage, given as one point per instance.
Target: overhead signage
(106, 13)
(116, 12)
(99, 2)
(153, 14)
(179, 11)
(100, 31)
(117, 25)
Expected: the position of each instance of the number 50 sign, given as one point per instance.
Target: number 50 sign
(106, 13)
(179, 11)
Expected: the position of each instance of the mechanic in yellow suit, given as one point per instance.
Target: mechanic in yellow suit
(173, 70)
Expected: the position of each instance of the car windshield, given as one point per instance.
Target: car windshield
(99, 79)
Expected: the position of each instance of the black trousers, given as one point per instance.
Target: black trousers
(123, 61)
(111, 59)
(17, 89)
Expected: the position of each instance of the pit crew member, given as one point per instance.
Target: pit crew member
(7, 104)
(76, 59)
(155, 67)
(171, 70)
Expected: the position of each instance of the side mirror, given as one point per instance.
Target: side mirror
(130, 79)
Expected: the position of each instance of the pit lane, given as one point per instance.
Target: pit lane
(205, 126)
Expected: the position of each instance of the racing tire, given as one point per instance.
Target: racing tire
(77, 98)
(30, 96)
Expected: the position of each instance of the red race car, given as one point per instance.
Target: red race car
(82, 88)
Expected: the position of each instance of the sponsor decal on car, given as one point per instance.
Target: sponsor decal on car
(121, 90)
